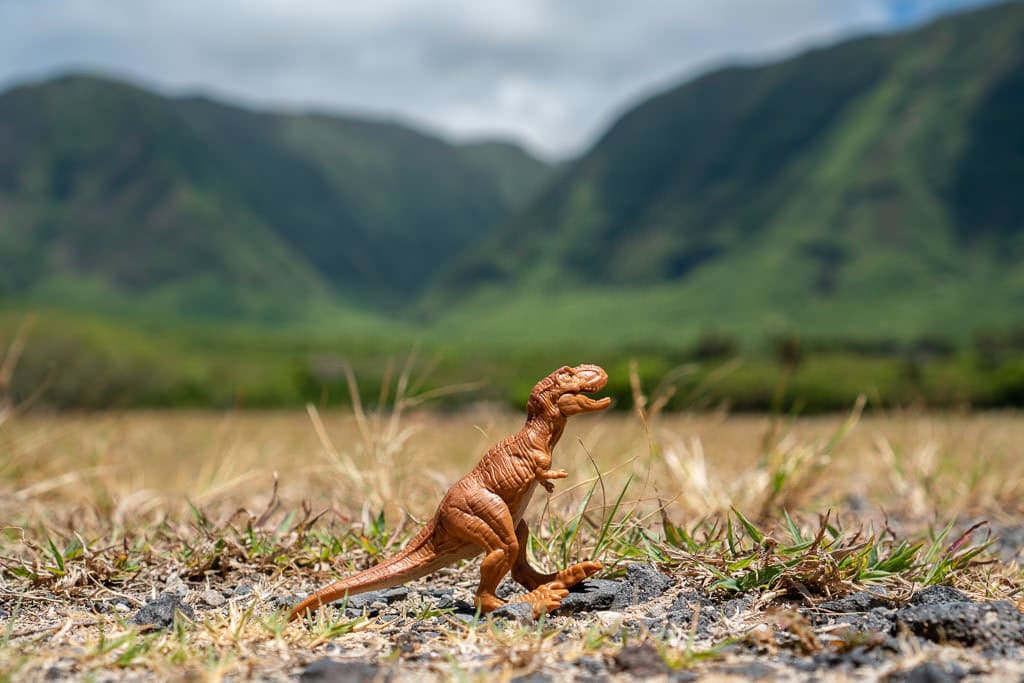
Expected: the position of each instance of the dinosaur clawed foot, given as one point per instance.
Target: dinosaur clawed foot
(545, 598)
(570, 576)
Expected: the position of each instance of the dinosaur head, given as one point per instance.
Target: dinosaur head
(563, 392)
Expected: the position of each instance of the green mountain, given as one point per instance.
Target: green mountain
(519, 178)
(115, 197)
(872, 188)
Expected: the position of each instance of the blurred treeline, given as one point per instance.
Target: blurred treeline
(88, 363)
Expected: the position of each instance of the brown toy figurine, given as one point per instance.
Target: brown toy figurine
(483, 511)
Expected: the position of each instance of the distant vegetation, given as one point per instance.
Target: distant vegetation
(784, 236)
(82, 362)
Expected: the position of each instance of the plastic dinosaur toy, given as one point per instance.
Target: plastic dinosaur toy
(483, 511)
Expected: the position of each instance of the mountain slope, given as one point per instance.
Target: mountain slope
(108, 191)
(520, 178)
(866, 188)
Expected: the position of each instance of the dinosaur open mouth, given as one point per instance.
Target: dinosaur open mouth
(581, 403)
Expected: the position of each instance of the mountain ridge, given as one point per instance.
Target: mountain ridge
(110, 183)
(780, 195)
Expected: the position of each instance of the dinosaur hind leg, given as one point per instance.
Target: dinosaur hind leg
(531, 579)
(487, 525)
(524, 574)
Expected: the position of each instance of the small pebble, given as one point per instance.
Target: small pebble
(160, 612)
(212, 598)
(609, 621)
(175, 586)
(338, 671)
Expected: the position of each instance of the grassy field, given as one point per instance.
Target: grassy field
(81, 361)
(239, 512)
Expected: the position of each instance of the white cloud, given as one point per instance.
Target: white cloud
(552, 73)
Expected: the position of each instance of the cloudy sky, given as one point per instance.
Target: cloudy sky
(552, 73)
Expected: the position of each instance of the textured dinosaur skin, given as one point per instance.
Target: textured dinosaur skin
(483, 511)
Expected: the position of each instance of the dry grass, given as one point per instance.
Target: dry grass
(100, 506)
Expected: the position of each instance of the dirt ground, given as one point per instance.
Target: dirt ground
(735, 547)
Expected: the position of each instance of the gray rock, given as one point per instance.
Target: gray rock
(590, 595)
(938, 595)
(337, 671)
(929, 672)
(448, 602)
(993, 626)
(861, 601)
(592, 665)
(462, 611)
(520, 612)
(464, 617)
(640, 661)
(160, 612)
(212, 598)
(385, 596)
(751, 671)
(643, 583)
(534, 677)
(243, 589)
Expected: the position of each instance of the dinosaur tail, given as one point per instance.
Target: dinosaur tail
(416, 560)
